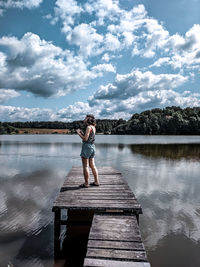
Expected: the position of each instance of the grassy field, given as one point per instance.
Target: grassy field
(42, 131)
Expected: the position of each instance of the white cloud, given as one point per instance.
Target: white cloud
(67, 12)
(184, 51)
(76, 111)
(111, 42)
(106, 57)
(70, 113)
(18, 4)
(133, 83)
(103, 9)
(38, 66)
(128, 38)
(144, 100)
(10, 113)
(88, 40)
(160, 61)
(104, 67)
(6, 94)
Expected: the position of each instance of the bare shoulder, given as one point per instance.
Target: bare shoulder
(94, 128)
(88, 128)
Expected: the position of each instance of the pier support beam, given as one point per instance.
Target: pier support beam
(57, 225)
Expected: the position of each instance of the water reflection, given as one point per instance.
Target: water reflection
(26, 216)
(168, 151)
(164, 177)
(176, 249)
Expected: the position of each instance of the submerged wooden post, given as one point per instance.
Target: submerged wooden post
(57, 225)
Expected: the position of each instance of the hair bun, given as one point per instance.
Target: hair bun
(91, 119)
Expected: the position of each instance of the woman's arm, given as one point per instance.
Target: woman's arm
(87, 133)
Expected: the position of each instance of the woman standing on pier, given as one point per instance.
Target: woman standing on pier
(88, 150)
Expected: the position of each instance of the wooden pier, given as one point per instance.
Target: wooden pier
(114, 237)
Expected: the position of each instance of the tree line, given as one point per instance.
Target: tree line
(169, 120)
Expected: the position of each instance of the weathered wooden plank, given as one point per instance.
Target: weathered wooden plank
(88, 262)
(114, 229)
(115, 244)
(120, 208)
(125, 226)
(115, 236)
(95, 190)
(73, 202)
(116, 254)
(101, 170)
(103, 197)
(100, 206)
(114, 218)
(89, 204)
(102, 177)
(71, 194)
(99, 195)
(97, 198)
(102, 182)
(102, 186)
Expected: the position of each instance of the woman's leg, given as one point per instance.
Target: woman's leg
(94, 170)
(85, 170)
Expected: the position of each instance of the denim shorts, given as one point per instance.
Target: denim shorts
(88, 150)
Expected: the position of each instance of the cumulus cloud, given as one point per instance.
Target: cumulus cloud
(11, 113)
(40, 67)
(184, 51)
(70, 113)
(160, 61)
(104, 67)
(144, 100)
(88, 40)
(66, 11)
(76, 111)
(103, 9)
(136, 91)
(18, 4)
(117, 24)
(133, 83)
(5, 95)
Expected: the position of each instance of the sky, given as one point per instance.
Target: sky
(62, 59)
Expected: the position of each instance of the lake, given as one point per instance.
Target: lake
(162, 171)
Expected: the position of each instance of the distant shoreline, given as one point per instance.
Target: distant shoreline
(22, 131)
(35, 131)
(42, 131)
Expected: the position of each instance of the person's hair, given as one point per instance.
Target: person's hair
(91, 119)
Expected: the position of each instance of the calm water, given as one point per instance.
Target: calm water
(163, 172)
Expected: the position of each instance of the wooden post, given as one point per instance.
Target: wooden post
(57, 218)
(137, 217)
